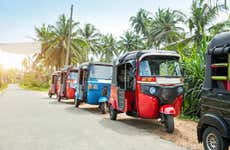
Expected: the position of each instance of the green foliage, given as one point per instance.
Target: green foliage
(165, 27)
(193, 63)
(35, 80)
(3, 86)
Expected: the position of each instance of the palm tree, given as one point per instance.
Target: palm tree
(55, 39)
(203, 15)
(141, 21)
(131, 41)
(92, 36)
(109, 48)
(165, 28)
(200, 23)
(44, 35)
(61, 36)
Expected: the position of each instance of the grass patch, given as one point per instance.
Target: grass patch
(41, 89)
(192, 118)
(3, 87)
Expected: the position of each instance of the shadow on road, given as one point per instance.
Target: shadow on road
(84, 109)
(54, 101)
(147, 126)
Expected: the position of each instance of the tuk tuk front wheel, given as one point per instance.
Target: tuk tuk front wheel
(169, 123)
(58, 97)
(77, 102)
(102, 107)
(50, 95)
(112, 113)
(212, 140)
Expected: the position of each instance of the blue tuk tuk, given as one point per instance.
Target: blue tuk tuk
(94, 82)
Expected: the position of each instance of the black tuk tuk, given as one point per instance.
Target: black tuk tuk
(213, 127)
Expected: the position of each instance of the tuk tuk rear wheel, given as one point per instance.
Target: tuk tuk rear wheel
(212, 140)
(102, 107)
(112, 113)
(169, 123)
(50, 95)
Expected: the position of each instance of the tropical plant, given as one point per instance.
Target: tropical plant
(141, 21)
(202, 15)
(193, 63)
(92, 36)
(131, 42)
(109, 48)
(165, 27)
(55, 40)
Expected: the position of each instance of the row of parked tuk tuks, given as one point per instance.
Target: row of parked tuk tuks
(149, 84)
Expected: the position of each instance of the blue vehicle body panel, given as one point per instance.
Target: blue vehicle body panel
(103, 99)
(94, 95)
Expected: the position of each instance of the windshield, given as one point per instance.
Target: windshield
(160, 66)
(73, 76)
(100, 72)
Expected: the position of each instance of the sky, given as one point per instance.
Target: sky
(19, 17)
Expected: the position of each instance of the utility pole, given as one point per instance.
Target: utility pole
(69, 37)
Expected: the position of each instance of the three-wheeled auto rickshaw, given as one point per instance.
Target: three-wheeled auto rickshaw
(67, 82)
(53, 83)
(94, 84)
(147, 84)
(214, 125)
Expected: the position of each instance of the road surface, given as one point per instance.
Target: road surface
(29, 120)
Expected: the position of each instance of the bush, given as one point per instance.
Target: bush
(35, 80)
(193, 64)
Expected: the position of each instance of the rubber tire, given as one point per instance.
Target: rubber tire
(169, 123)
(112, 113)
(223, 143)
(102, 107)
(50, 95)
(58, 98)
(77, 102)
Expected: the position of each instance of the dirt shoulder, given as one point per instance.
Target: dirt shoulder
(184, 134)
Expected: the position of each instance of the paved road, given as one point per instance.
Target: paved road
(31, 121)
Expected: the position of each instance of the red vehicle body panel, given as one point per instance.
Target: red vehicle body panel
(113, 97)
(70, 92)
(146, 106)
(167, 109)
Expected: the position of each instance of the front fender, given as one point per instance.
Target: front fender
(103, 99)
(168, 110)
(214, 121)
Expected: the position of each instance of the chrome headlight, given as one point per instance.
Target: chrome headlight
(152, 90)
(180, 90)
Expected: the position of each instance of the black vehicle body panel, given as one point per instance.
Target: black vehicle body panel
(215, 102)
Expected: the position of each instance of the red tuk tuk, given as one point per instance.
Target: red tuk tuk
(53, 85)
(147, 84)
(67, 82)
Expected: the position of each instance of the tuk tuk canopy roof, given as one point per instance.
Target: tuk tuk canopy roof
(94, 63)
(66, 68)
(220, 44)
(56, 72)
(137, 54)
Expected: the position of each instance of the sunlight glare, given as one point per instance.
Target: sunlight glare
(10, 60)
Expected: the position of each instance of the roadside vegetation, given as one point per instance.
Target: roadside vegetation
(188, 34)
(8, 76)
